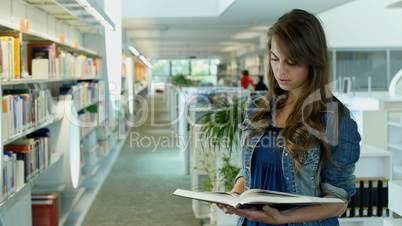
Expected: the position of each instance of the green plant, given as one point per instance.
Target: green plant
(208, 183)
(221, 129)
(228, 172)
(181, 81)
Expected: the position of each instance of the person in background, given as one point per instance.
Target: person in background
(246, 81)
(298, 138)
(260, 86)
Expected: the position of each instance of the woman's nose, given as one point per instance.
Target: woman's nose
(281, 69)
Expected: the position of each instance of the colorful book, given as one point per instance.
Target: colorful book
(45, 209)
(42, 49)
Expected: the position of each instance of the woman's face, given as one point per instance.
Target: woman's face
(290, 75)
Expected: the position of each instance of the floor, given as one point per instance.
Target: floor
(148, 169)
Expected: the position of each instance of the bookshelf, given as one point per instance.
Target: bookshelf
(229, 72)
(76, 177)
(135, 80)
(141, 85)
(394, 144)
(254, 64)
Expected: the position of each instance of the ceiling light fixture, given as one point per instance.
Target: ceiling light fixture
(246, 35)
(134, 50)
(102, 19)
(146, 61)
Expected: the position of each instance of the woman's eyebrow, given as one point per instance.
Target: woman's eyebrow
(274, 54)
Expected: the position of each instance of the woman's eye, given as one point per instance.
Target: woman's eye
(274, 59)
(291, 63)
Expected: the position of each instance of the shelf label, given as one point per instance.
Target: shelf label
(24, 25)
(61, 38)
(76, 43)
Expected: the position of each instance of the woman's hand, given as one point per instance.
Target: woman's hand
(293, 215)
(224, 208)
(266, 215)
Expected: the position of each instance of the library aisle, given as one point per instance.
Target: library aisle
(138, 189)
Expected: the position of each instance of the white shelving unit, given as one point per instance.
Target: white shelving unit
(374, 163)
(45, 26)
(394, 125)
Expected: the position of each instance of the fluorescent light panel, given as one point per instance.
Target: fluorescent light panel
(146, 61)
(134, 50)
(246, 35)
(259, 28)
(87, 6)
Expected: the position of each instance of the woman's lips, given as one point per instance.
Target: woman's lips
(283, 81)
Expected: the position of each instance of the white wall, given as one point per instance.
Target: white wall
(363, 23)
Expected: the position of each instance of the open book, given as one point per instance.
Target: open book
(256, 198)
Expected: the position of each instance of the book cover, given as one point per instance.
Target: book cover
(45, 136)
(23, 145)
(16, 51)
(45, 210)
(1, 58)
(33, 49)
(40, 68)
(20, 172)
(17, 54)
(6, 58)
(26, 158)
(11, 172)
(5, 119)
(256, 198)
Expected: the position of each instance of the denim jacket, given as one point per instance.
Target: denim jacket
(333, 180)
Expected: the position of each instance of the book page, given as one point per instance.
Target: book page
(214, 197)
(257, 196)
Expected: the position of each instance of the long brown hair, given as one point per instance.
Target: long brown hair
(302, 39)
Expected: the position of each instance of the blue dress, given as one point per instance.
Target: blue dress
(266, 166)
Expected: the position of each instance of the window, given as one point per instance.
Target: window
(160, 70)
(361, 65)
(396, 62)
(203, 70)
(200, 67)
(160, 67)
(180, 67)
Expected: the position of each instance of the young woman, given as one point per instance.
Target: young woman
(298, 138)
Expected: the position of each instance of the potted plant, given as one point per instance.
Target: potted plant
(181, 81)
(220, 134)
(222, 137)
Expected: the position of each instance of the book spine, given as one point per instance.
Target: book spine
(357, 200)
(374, 198)
(384, 198)
(365, 198)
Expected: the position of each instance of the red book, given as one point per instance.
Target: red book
(21, 145)
(45, 210)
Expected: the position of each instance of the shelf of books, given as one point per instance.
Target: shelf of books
(369, 206)
(254, 64)
(228, 73)
(54, 115)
